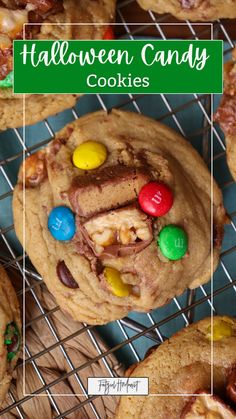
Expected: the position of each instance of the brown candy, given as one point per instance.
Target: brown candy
(65, 276)
(231, 386)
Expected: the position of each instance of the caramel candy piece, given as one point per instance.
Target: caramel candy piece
(106, 189)
(34, 169)
(205, 406)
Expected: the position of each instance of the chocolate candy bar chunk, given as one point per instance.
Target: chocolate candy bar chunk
(204, 405)
(108, 188)
(118, 232)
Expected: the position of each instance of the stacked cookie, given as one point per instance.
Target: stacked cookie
(226, 113)
(119, 206)
(184, 366)
(194, 10)
(50, 19)
(10, 336)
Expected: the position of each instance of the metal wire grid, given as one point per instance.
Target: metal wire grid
(151, 329)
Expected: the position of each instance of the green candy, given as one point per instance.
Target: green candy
(12, 340)
(173, 242)
(8, 81)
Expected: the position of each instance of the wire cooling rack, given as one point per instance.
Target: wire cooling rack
(130, 337)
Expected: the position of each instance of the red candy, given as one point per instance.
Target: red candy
(155, 199)
(109, 34)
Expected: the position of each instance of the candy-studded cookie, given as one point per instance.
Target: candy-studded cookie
(44, 21)
(10, 332)
(117, 212)
(182, 365)
(226, 113)
(195, 10)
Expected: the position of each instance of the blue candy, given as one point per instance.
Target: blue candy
(61, 223)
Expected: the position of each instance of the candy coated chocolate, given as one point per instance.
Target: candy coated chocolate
(109, 33)
(8, 81)
(155, 199)
(118, 287)
(61, 223)
(89, 155)
(173, 242)
(221, 329)
(12, 340)
(65, 275)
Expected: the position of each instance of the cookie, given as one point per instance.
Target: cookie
(194, 10)
(10, 336)
(226, 113)
(52, 365)
(49, 14)
(118, 215)
(182, 365)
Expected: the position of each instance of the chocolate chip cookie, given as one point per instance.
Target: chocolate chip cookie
(117, 211)
(226, 113)
(182, 365)
(10, 337)
(194, 10)
(44, 19)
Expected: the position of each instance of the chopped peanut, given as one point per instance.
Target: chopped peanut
(123, 226)
(127, 236)
(105, 238)
(143, 233)
(129, 278)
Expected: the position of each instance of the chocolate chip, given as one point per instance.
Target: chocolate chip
(98, 267)
(14, 344)
(65, 276)
(218, 234)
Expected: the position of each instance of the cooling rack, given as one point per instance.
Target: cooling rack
(190, 115)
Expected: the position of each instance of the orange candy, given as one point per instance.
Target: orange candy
(109, 33)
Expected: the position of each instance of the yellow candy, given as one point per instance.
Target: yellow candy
(221, 329)
(118, 287)
(89, 155)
